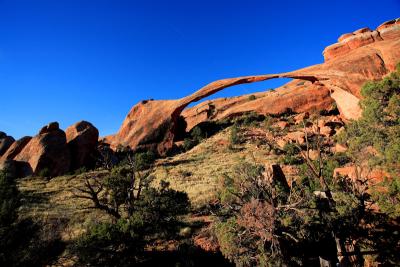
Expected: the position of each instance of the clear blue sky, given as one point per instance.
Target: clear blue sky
(70, 60)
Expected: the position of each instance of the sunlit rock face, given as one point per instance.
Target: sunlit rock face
(358, 57)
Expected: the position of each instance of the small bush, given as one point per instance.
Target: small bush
(252, 97)
(45, 173)
(291, 149)
(234, 136)
(188, 144)
(197, 134)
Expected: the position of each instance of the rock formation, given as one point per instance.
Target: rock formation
(52, 151)
(45, 152)
(15, 148)
(82, 142)
(358, 57)
(5, 142)
(362, 37)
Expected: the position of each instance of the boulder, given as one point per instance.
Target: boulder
(282, 125)
(374, 176)
(339, 148)
(313, 154)
(281, 143)
(299, 118)
(296, 137)
(326, 131)
(15, 148)
(82, 140)
(5, 142)
(45, 152)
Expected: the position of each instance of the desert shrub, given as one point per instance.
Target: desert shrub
(379, 129)
(45, 173)
(9, 199)
(268, 121)
(290, 156)
(291, 149)
(145, 159)
(139, 214)
(197, 134)
(252, 97)
(300, 83)
(123, 242)
(249, 119)
(80, 170)
(234, 137)
(188, 144)
(379, 125)
(24, 242)
(389, 202)
(254, 229)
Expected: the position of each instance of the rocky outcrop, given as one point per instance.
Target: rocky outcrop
(5, 142)
(82, 138)
(45, 152)
(368, 55)
(364, 36)
(15, 148)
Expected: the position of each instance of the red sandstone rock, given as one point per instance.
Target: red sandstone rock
(282, 124)
(82, 138)
(47, 150)
(362, 37)
(367, 55)
(374, 176)
(345, 36)
(339, 148)
(299, 118)
(5, 142)
(387, 24)
(362, 30)
(15, 148)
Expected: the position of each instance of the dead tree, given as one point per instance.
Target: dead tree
(108, 196)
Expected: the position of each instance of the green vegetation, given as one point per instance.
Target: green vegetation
(234, 135)
(252, 97)
(375, 138)
(126, 196)
(135, 207)
(24, 242)
(291, 152)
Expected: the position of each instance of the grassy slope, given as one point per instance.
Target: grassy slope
(54, 201)
(199, 170)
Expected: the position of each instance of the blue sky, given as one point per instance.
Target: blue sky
(70, 60)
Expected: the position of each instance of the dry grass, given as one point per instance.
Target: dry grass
(199, 171)
(54, 200)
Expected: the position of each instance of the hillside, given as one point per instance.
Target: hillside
(306, 174)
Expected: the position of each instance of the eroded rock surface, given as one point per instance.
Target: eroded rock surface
(369, 55)
(5, 142)
(82, 138)
(46, 152)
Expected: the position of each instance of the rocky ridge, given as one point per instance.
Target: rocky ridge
(157, 124)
